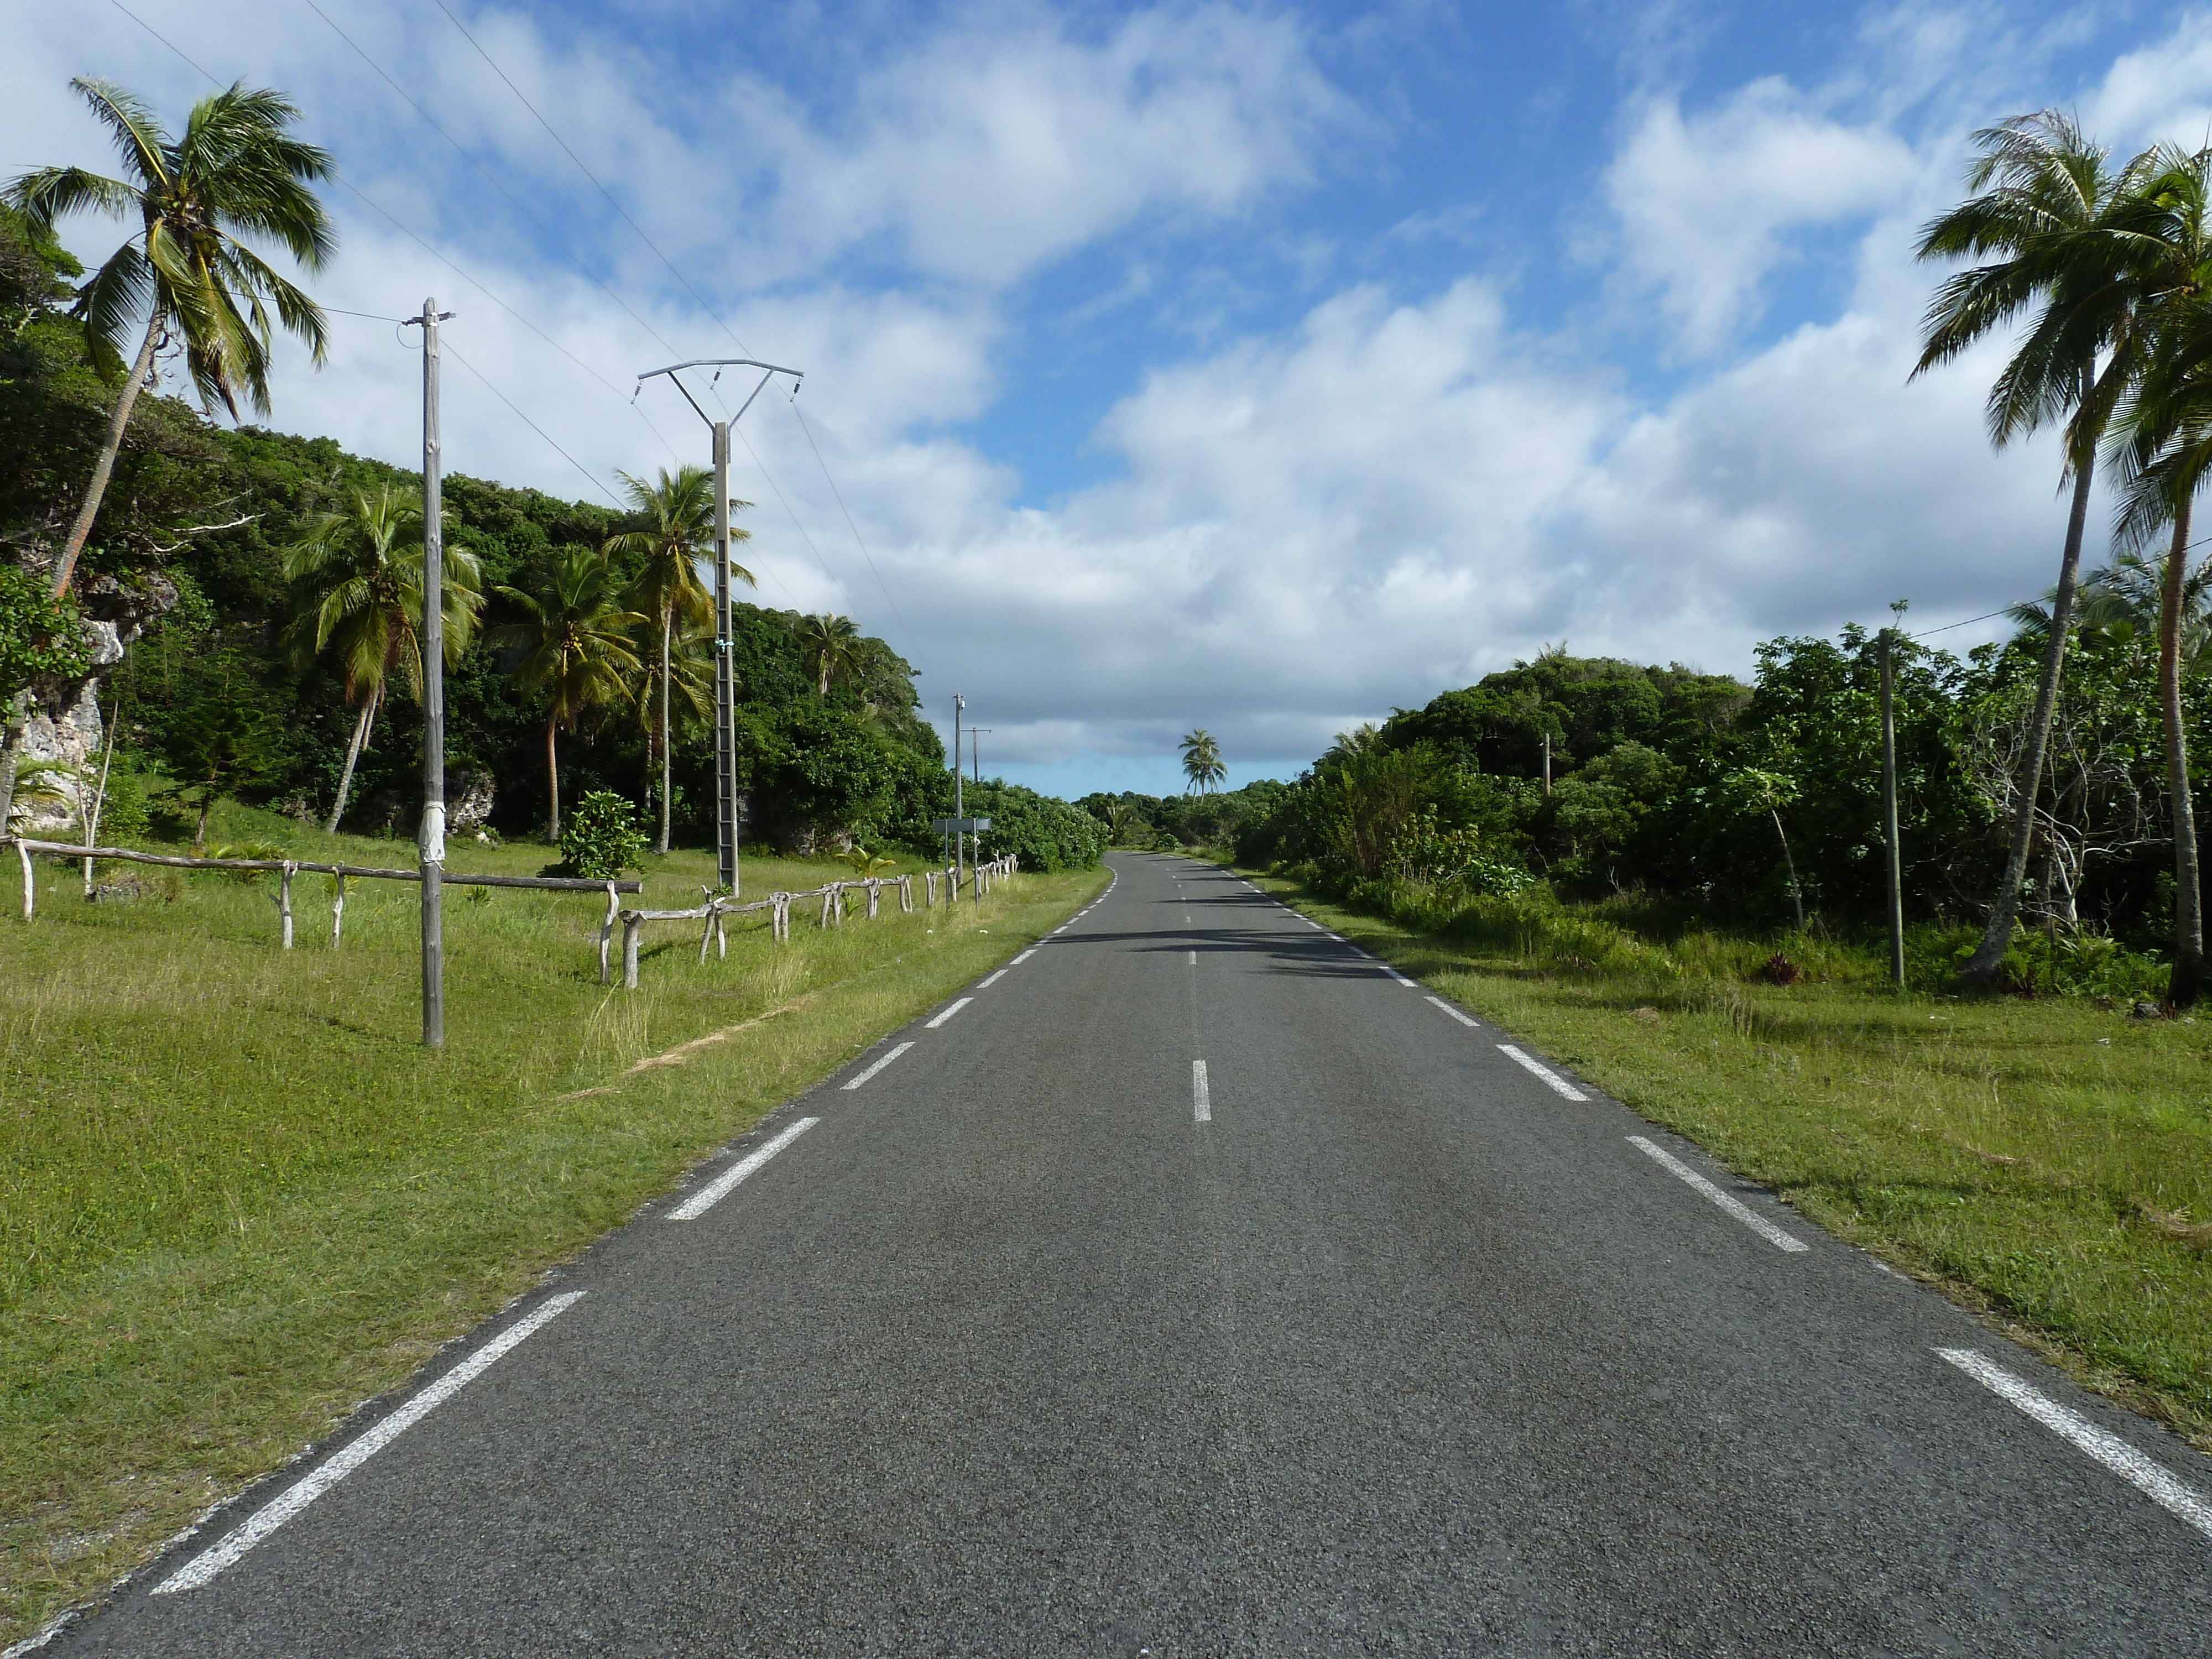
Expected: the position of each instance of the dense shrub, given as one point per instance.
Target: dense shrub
(601, 838)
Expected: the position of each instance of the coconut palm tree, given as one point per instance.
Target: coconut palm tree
(574, 634)
(2042, 218)
(2166, 432)
(831, 648)
(237, 172)
(1202, 763)
(356, 581)
(678, 532)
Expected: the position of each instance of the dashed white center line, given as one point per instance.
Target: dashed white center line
(1023, 957)
(948, 1013)
(855, 1082)
(2107, 1448)
(1557, 1083)
(1201, 1104)
(727, 1182)
(1743, 1211)
(1464, 1019)
(1193, 958)
(203, 1568)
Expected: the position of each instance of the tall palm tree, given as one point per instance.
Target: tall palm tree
(678, 532)
(574, 636)
(2167, 429)
(2042, 218)
(356, 581)
(1201, 763)
(237, 172)
(831, 648)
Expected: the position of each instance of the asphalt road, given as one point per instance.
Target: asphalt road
(1378, 1344)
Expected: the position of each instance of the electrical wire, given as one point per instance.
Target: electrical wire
(700, 300)
(447, 348)
(158, 35)
(793, 406)
(1969, 620)
(491, 179)
(565, 149)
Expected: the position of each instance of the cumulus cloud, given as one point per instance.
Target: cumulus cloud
(1704, 202)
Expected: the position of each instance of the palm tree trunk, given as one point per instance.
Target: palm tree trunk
(353, 754)
(2188, 979)
(1789, 865)
(553, 778)
(1981, 973)
(106, 465)
(667, 763)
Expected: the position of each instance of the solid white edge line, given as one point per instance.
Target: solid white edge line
(948, 1013)
(1743, 1211)
(727, 1183)
(985, 984)
(1395, 974)
(2149, 1477)
(855, 1082)
(1464, 1019)
(203, 1568)
(1201, 1101)
(1550, 1077)
(1023, 957)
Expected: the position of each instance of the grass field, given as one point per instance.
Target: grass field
(237, 1197)
(2048, 1162)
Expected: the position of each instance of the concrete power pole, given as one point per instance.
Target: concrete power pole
(959, 703)
(433, 832)
(726, 690)
(725, 683)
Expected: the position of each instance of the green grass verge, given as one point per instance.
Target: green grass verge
(237, 1197)
(2047, 1162)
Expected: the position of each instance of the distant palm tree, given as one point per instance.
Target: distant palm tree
(1202, 763)
(236, 172)
(831, 647)
(679, 532)
(2043, 216)
(574, 637)
(356, 581)
(2121, 604)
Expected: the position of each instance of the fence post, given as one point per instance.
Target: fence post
(706, 933)
(24, 852)
(780, 917)
(722, 936)
(875, 894)
(633, 925)
(606, 931)
(284, 901)
(906, 895)
(929, 890)
(337, 910)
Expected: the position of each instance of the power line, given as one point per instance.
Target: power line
(1969, 620)
(491, 178)
(158, 35)
(803, 426)
(593, 177)
(448, 346)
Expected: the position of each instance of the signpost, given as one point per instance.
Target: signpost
(959, 826)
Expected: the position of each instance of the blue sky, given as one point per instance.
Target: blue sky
(1253, 367)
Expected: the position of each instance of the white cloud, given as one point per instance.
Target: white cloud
(1706, 202)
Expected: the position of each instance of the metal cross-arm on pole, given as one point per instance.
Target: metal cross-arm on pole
(725, 687)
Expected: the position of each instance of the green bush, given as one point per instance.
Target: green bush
(601, 838)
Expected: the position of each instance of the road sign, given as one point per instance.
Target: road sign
(958, 826)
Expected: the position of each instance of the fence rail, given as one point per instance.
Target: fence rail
(713, 912)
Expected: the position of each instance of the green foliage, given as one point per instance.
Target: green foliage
(601, 838)
(41, 638)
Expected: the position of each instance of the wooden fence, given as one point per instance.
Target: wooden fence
(714, 911)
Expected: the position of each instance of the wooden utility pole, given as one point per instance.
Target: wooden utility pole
(1547, 762)
(433, 833)
(1892, 858)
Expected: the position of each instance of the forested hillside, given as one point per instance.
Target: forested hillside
(218, 692)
